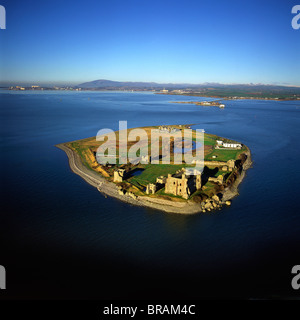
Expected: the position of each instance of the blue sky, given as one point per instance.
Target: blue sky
(138, 40)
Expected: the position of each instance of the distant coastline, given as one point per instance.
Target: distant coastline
(221, 97)
(209, 90)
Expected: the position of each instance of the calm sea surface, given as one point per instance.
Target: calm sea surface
(61, 238)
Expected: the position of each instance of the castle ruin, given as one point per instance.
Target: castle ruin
(119, 175)
(219, 180)
(150, 188)
(182, 185)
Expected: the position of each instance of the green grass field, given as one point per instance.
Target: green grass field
(210, 139)
(151, 172)
(223, 154)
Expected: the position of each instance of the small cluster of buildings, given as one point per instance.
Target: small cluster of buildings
(26, 88)
(206, 103)
(179, 91)
(212, 103)
(175, 91)
(223, 144)
(16, 88)
(34, 87)
(167, 129)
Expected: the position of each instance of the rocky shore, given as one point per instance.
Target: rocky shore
(112, 190)
(230, 192)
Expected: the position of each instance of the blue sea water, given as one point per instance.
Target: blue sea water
(61, 238)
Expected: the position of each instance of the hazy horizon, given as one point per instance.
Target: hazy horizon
(76, 83)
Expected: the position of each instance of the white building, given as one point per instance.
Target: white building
(232, 145)
(228, 145)
(219, 142)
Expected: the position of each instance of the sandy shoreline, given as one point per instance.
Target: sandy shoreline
(110, 189)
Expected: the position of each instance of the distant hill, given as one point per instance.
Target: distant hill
(102, 83)
(205, 89)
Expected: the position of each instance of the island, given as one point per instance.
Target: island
(215, 103)
(167, 187)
